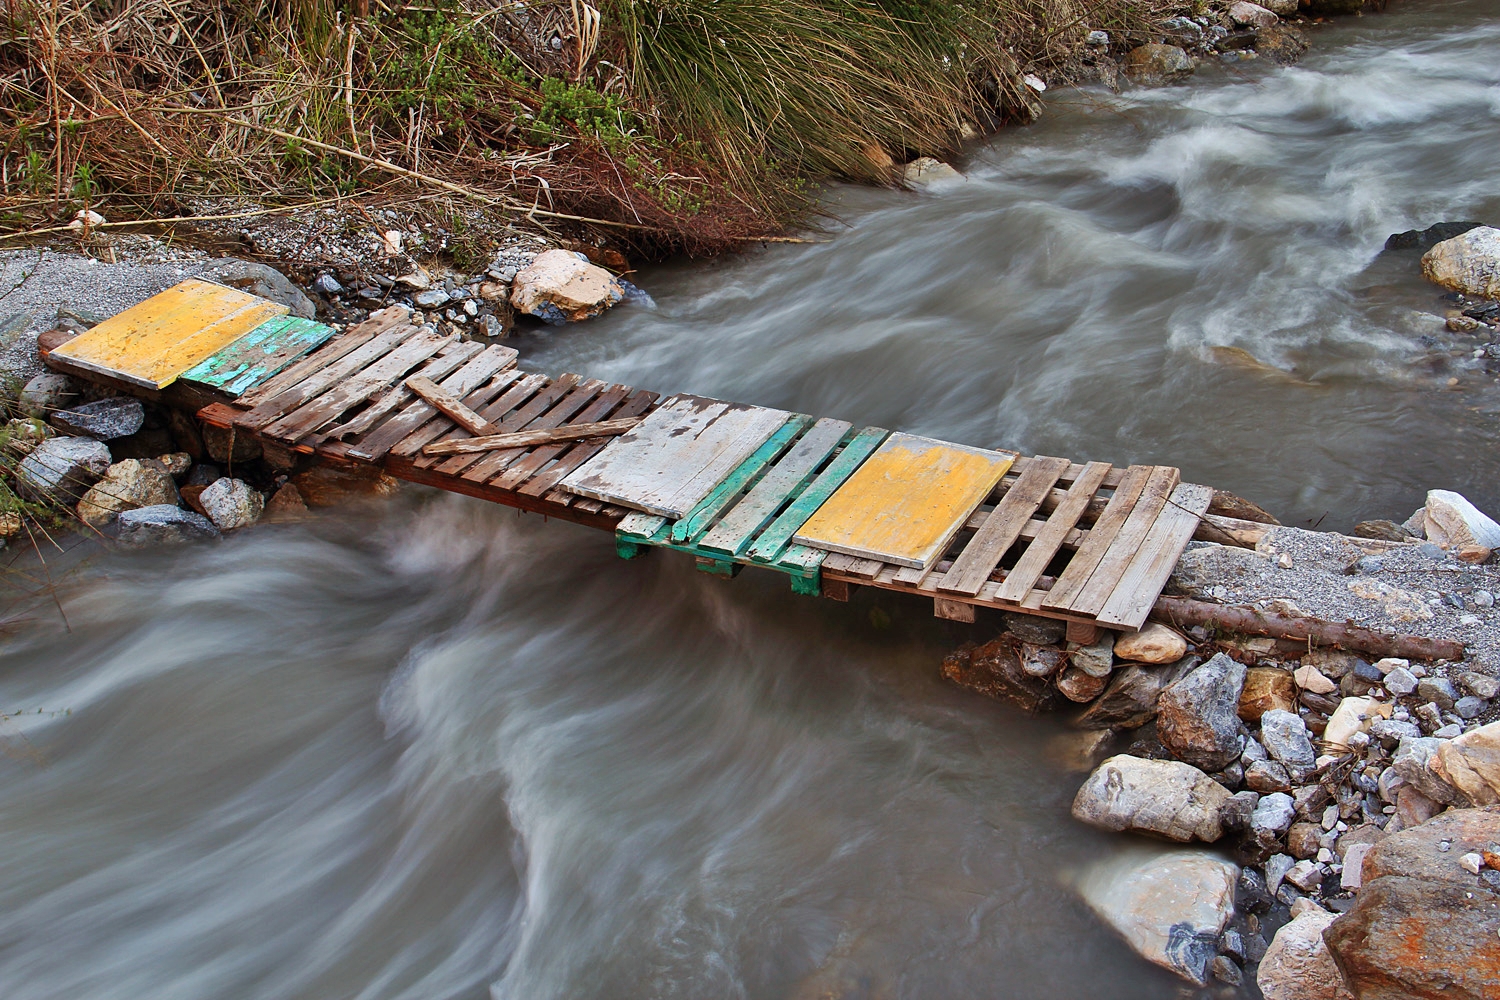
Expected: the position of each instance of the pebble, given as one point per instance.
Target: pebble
(1438, 691)
(1452, 731)
(1483, 598)
(432, 298)
(1390, 663)
(1471, 863)
(1305, 875)
(1400, 681)
(1273, 813)
(328, 285)
(1470, 707)
(1277, 866)
(1310, 678)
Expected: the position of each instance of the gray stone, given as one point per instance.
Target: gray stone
(106, 419)
(1034, 628)
(1274, 813)
(328, 285)
(1097, 660)
(1469, 263)
(1391, 732)
(1041, 661)
(1470, 707)
(231, 504)
(1298, 965)
(161, 525)
(1251, 15)
(1266, 776)
(1164, 797)
(1311, 800)
(1287, 741)
(259, 279)
(49, 392)
(1439, 691)
(1411, 763)
(1479, 685)
(1153, 65)
(1130, 700)
(61, 469)
(433, 298)
(1306, 875)
(1277, 865)
(1400, 681)
(126, 485)
(1197, 716)
(1200, 570)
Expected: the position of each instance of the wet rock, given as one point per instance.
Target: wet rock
(1153, 65)
(1034, 628)
(561, 286)
(1298, 965)
(49, 392)
(1266, 689)
(162, 524)
(61, 469)
(226, 445)
(1353, 715)
(1452, 522)
(1422, 927)
(1197, 715)
(1164, 797)
(1471, 764)
(1078, 686)
(126, 485)
(1041, 661)
(1079, 750)
(1156, 643)
(1382, 529)
(330, 485)
(1251, 15)
(1171, 908)
(231, 504)
(1281, 43)
(286, 504)
(1130, 700)
(1096, 660)
(1226, 971)
(1426, 239)
(1469, 263)
(1266, 776)
(995, 669)
(925, 171)
(1333, 8)
(116, 417)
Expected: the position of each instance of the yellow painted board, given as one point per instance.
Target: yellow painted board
(152, 343)
(907, 501)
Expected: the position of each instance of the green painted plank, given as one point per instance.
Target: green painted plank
(782, 484)
(259, 354)
(639, 527)
(700, 518)
(768, 547)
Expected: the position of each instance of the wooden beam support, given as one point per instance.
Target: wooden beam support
(1083, 633)
(953, 611)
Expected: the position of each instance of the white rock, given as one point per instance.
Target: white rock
(1251, 15)
(1354, 860)
(1274, 813)
(560, 286)
(1156, 643)
(86, 219)
(1469, 263)
(1297, 965)
(1471, 863)
(1310, 678)
(1035, 82)
(1400, 681)
(1390, 663)
(1306, 875)
(925, 171)
(1353, 715)
(1452, 522)
(1171, 907)
(1164, 797)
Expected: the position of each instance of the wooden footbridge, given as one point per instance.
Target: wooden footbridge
(831, 505)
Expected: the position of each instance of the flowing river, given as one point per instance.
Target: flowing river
(438, 750)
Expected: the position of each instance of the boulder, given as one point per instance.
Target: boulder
(1202, 570)
(1156, 643)
(105, 419)
(231, 504)
(1130, 700)
(1298, 965)
(1034, 628)
(1251, 15)
(61, 469)
(1164, 797)
(1078, 686)
(1471, 764)
(1353, 715)
(1281, 8)
(1452, 522)
(49, 392)
(1285, 737)
(1469, 263)
(1280, 43)
(1266, 689)
(126, 485)
(1197, 716)
(561, 286)
(1411, 763)
(1423, 927)
(995, 669)
(1426, 239)
(1153, 65)
(1171, 908)
(160, 525)
(925, 171)
(286, 504)
(1096, 660)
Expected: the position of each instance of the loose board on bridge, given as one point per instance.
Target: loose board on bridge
(154, 342)
(906, 502)
(675, 458)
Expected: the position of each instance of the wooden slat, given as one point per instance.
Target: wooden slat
(1073, 579)
(449, 406)
(786, 479)
(567, 407)
(326, 408)
(512, 411)
(865, 569)
(270, 409)
(1140, 585)
(718, 500)
(677, 455)
(1028, 569)
(398, 396)
(339, 347)
(477, 383)
(543, 453)
(1001, 529)
(259, 354)
(775, 538)
(1125, 544)
(532, 438)
(639, 402)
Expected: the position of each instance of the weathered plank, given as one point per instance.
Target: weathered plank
(1140, 585)
(906, 502)
(339, 347)
(259, 354)
(477, 383)
(1028, 569)
(532, 438)
(1001, 529)
(542, 454)
(449, 406)
(637, 404)
(784, 482)
(1122, 549)
(266, 410)
(771, 542)
(398, 396)
(699, 519)
(1087, 558)
(155, 341)
(676, 456)
(493, 462)
(512, 411)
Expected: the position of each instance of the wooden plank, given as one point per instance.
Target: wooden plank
(1140, 585)
(1028, 569)
(677, 455)
(641, 526)
(528, 397)
(566, 408)
(701, 517)
(1001, 529)
(419, 423)
(270, 409)
(954, 611)
(854, 565)
(398, 396)
(532, 438)
(350, 340)
(153, 342)
(541, 483)
(906, 502)
(1125, 544)
(259, 354)
(784, 482)
(542, 455)
(328, 407)
(449, 406)
(778, 534)
(1087, 558)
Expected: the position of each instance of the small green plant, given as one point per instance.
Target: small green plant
(85, 182)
